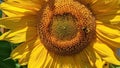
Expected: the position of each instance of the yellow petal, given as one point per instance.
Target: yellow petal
(31, 5)
(48, 62)
(82, 61)
(19, 35)
(23, 51)
(11, 22)
(11, 10)
(91, 55)
(95, 60)
(106, 7)
(38, 57)
(113, 20)
(109, 34)
(18, 22)
(99, 62)
(41, 58)
(65, 62)
(79, 60)
(105, 52)
(107, 11)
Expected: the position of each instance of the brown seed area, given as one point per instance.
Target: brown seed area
(67, 28)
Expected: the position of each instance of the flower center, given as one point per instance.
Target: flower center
(67, 28)
(64, 27)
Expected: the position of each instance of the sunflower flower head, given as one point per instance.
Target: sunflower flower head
(66, 30)
(63, 33)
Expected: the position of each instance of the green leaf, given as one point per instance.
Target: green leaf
(114, 66)
(17, 65)
(7, 63)
(0, 13)
(5, 49)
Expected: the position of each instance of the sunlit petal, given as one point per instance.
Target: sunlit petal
(109, 34)
(105, 53)
(23, 51)
(19, 35)
(18, 22)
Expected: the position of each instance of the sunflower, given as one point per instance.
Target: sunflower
(63, 33)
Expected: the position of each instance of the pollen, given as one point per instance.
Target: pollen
(64, 27)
